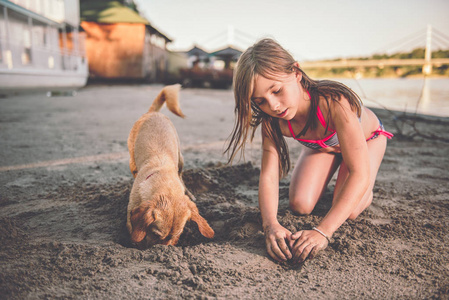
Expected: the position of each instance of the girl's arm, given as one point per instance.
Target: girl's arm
(354, 150)
(276, 236)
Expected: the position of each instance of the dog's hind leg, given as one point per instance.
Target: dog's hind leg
(131, 144)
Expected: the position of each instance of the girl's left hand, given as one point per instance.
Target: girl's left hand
(306, 244)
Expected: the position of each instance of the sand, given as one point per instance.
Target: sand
(62, 223)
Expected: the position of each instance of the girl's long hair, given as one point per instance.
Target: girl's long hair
(268, 59)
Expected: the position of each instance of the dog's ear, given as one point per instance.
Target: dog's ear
(158, 227)
(141, 218)
(203, 226)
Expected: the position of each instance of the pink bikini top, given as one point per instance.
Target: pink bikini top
(332, 139)
(329, 141)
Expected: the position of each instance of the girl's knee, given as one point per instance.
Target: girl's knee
(302, 203)
(302, 207)
(354, 215)
(366, 201)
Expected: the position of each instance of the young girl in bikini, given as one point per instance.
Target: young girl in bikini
(328, 119)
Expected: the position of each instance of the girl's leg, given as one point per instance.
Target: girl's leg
(311, 174)
(376, 149)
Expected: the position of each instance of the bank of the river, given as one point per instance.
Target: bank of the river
(321, 74)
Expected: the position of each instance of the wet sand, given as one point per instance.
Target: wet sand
(65, 183)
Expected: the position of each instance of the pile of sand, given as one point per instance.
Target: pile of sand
(71, 242)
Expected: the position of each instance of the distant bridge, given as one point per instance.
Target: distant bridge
(427, 62)
(423, 37)
(354, 63)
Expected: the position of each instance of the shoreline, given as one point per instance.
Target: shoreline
(339, 76)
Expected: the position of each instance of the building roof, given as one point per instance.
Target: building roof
(107, 11)
(227, 53)
(196, 51)
(104, 11)
(22, 10)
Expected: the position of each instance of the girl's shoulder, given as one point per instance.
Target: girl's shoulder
(337, 95)
(335, 108)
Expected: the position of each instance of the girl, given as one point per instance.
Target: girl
(328, 119)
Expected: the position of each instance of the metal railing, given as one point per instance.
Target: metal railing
(16, 55)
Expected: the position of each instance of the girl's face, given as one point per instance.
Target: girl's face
(280, 97)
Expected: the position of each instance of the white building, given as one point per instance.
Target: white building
(41, 46)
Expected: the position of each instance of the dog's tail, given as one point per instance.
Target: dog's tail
(169, 95)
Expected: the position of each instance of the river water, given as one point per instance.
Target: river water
(428, 96)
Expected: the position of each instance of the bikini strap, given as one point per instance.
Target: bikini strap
(320, 116)
(290, 125)
(291, 128)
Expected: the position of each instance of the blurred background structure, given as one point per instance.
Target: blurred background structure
(41, 46)
(120, 44)
(64, 44)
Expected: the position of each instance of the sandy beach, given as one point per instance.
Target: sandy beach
(65, 183)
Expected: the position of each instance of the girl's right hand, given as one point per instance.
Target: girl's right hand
(277, 239)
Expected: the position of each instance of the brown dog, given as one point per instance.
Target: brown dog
(158, 206)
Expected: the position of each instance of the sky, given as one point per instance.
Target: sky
(309, 30)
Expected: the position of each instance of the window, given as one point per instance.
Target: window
(26, 53)
(20, 38)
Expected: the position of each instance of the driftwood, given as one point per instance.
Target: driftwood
(406, 123)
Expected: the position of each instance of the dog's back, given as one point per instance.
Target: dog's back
(151, 120)
(156, 135)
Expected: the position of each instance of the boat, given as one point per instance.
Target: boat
(41, 46)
